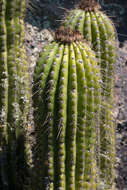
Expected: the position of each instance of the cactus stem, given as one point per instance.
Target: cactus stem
(3, 97)
(70, 94)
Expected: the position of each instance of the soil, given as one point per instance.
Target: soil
(42, 16)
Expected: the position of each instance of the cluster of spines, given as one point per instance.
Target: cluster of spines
(15, 87)
(69, 89)
(98, 30)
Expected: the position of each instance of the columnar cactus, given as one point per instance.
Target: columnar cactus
(67, 95)
(3, 92)
(99, 31)
(15, 91)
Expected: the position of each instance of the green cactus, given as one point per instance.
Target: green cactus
(67, 95)
(3, 93)
(15, 96)
(99, 31)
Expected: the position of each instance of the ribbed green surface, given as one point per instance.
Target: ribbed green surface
(3, 96)
(67, 89)
(14, 96)
(99, 32)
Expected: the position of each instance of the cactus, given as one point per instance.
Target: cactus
(15, 96)
(99, 31)
(67, 97)
(3, 94)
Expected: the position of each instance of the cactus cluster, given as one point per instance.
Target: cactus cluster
(14, 94)
(79, 125)
(72, 99)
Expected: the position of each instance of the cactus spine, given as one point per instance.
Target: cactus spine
(66, 84)
(15, 96)
(99, 31)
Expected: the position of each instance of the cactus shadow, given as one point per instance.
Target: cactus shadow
(15, 172)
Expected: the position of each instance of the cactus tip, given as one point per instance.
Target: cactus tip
(66, 35)
(89, 5)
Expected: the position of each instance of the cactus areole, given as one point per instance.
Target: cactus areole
(68, 96)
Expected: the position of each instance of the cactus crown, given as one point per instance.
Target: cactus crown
(89, 5)
(66, 35)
